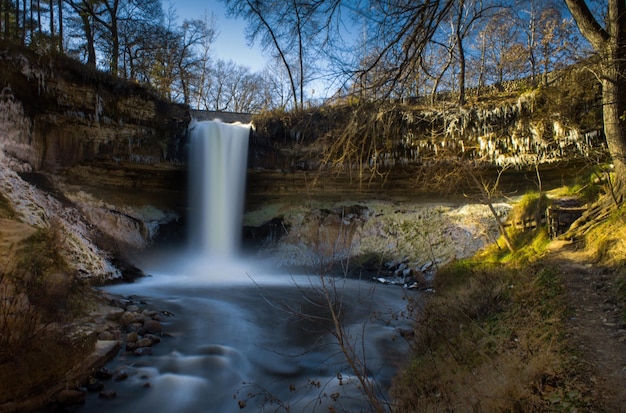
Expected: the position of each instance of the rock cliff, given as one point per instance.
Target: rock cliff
(101, 155)
(107, 157)
(57, 113)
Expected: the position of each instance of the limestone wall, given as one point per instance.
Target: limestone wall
(99, 157)
(60, 114)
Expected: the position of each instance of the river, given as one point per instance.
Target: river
(243, 338)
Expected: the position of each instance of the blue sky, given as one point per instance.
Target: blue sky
(231, 40)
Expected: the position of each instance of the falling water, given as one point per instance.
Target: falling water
(217, 164)
(232, 341)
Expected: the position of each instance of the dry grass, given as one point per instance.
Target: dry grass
(38, 297)
(492, 337)
(6, 210)
(606, 241)
(490, 340)
(40, 365)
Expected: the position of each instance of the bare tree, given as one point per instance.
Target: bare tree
(555, 42)
(505, 57)
(289, 29)
(436, 63)
(549, 40)
(259, 15)
(106, 15)
(193, 34)
(609, 41)
(60, 14)
(105, 19)
(276, 92)
(82, 10)
(466, 14)
(140, 39)
(400, 32)
(200, 82)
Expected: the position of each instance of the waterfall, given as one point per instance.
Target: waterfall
(218, 156)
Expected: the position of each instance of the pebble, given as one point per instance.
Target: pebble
(143, 351)
(139, 329)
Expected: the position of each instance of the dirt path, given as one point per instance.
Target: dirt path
(594, 325)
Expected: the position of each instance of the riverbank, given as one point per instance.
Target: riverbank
(542, 329)
(82, 348)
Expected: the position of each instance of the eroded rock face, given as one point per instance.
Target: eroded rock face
(418, 234)
(40, 210)
(105, 157)
(61, 114)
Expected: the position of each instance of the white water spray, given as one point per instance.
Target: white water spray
(217, 164)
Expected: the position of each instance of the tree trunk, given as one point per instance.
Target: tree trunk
(91, 50)
(610, 44)
(613, 111)
(60, 13)
(459, 44)
(31, 18)
(300, 52)
(17, 19)
(23, 22)
(115, 37)
(613, 90)
(39, 16)
(51, 5)
(462, 99)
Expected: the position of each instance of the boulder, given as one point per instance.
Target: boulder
(132, 337)
(153, 327)
(144, 342)
(115, 314)
(120, 375)
(70, 397)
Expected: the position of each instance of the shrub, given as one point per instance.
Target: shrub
(38, 295)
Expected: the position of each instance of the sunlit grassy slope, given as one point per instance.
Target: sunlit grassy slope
(493, 336)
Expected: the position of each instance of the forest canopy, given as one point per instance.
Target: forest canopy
(426, 50)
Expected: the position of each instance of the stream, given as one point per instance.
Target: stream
(246, 338)
(244, 335)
